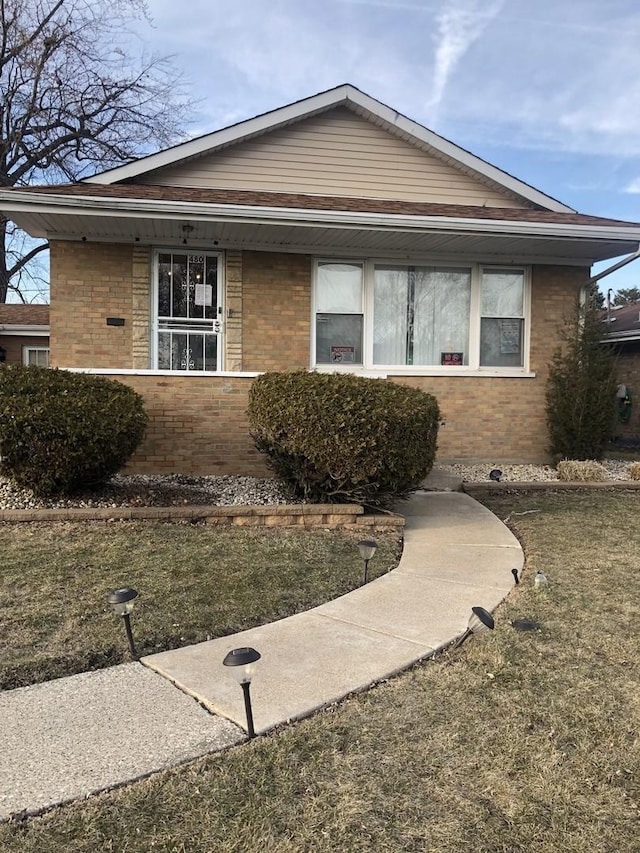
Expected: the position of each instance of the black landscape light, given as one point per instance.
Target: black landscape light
(367, 549)
(122, 602)
(480, 620)
(242, 662)
(514, 572)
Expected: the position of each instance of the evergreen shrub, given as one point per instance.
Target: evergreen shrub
(580, 397)
(62, 431)
(343, 438)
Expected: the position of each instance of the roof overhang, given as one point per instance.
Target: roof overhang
(211, 225)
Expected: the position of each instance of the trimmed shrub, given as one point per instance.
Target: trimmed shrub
(581, 390)
(634, 471)
(584, 471)
(62, 431)
(337, 437)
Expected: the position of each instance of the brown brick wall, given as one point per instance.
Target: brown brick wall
(197, 424)
(500, 420)
(90, 282)
(629, 375)
(276, 296)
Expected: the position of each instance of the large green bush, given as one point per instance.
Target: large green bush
(337, 437)
(581, 389)
(62, 431)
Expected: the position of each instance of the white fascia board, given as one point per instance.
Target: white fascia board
(48, 204)
(340, 96)
(227, 136)
(454, 152)
(27, 331)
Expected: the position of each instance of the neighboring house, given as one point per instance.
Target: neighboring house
(24, 334)
(624, 331)
(330, 234)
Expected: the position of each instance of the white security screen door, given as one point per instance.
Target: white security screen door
(188, 311)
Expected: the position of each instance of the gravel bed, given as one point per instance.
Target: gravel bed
(182, 490)
(146, 490)
(617, 469)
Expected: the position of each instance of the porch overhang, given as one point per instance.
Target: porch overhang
(303, 230)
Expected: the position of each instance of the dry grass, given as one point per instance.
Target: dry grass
(515, 742)
(195, 582)
(582, 471)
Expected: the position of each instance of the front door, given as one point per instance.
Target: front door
(188, 311)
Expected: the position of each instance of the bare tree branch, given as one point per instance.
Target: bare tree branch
(72, 101)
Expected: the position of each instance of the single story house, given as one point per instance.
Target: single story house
(24, 334)
(330, 234)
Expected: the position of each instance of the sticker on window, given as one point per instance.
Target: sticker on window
(509, 337)
(343, 355)
(451, 359)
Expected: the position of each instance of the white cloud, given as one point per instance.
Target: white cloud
(460, 24)
(633, 187)
(498, 72)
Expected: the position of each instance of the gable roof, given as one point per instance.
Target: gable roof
(361, 104)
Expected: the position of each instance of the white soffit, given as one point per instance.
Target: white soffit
(363, 105)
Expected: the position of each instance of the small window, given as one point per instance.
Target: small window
(502, 318)
(339, 313)
(37, 356)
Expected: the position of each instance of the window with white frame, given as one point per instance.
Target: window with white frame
(502, 318)
(387, 315)
(38, 356)
(187, 303)
(339, 314)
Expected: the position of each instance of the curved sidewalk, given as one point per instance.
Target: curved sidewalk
(75, 736)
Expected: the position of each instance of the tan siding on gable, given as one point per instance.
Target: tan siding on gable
(335, 153)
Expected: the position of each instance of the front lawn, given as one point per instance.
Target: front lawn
(515, 742)
(195, 582)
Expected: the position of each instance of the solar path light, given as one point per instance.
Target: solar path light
(367, 549)
(122, 602)
(242, 662)
(480, 620)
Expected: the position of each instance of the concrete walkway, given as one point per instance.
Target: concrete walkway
(65, 739)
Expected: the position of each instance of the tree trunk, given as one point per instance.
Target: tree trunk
(4, 274)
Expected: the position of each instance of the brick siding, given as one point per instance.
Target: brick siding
(503, 419)
(629, 375)
(276, 294)
(90, 282)
(198, 424)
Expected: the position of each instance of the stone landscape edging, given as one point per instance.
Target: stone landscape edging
(272, 515)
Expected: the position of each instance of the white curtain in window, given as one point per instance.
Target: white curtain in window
(420, 313)
(339, 289)
(390, 315)
(502, 293)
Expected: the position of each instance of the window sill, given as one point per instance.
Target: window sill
(122, 371)
(384, 372)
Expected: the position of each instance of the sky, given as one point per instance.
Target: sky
(548, 90)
